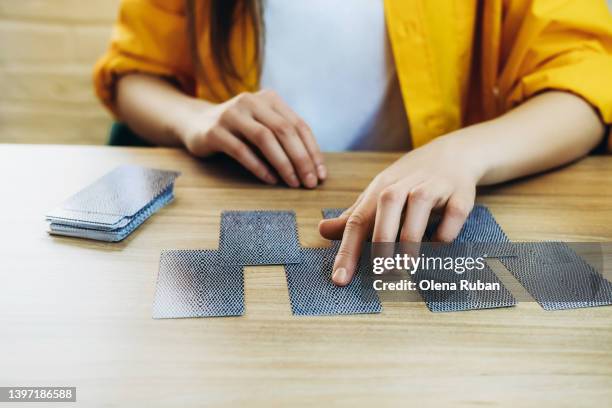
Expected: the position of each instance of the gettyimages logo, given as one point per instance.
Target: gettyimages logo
(402, 269)
(412, 264)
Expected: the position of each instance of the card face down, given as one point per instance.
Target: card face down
(482, 232)
(312, 292)
(476, 237)
(259, 238)
(84, 219)
(192, 283)
(472, 289)
(121, 193)
(110, 234)
(557, 277)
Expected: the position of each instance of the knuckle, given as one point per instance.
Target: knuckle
(343, 252)
(420, 194)
(389, 195)
(272, 94)
(300, 125)
(458, 209)
(356, 220)
(212, 135)
(261, 135)
(269, 93)
(227, 116)
(282, 129)
(244, 98)
(239, 151)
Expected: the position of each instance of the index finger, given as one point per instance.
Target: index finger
(358, 226)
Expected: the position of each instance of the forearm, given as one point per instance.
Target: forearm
(547, 131)
(155, 109)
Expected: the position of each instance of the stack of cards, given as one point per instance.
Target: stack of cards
(114, 205)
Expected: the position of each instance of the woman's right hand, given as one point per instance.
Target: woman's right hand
(261, 121)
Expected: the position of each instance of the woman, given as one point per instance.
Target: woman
(479, 92)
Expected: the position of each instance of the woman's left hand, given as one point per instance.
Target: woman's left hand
(439, 175)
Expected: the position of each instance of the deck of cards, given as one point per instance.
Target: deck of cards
(115, 205)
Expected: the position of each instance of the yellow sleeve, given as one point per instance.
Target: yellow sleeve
(557, 44)
(149, 36)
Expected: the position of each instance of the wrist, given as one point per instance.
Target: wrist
(465, 148)
(188, 120)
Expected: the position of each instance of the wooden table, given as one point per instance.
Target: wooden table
(78, 313)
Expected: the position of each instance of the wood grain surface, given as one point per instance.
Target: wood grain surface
(78, 313)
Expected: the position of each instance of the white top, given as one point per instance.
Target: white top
(331, 61)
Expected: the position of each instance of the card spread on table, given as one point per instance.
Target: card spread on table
(312, 292)
(192, 283)
(481, 232)
(457, 300)
(259, 238)
(557, 277)
(115, 205)
(210, 283)
(468, 295)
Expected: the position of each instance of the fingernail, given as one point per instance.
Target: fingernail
(293, 181)
(339, 276)
(310, 180)
(322, 172)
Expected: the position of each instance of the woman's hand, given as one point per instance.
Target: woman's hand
(253, 123)
(257, 129)
(444, 173)
(435, 176)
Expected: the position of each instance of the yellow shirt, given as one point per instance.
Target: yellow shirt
(458, 62)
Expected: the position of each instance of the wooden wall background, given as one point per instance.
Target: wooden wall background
(47, 51)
